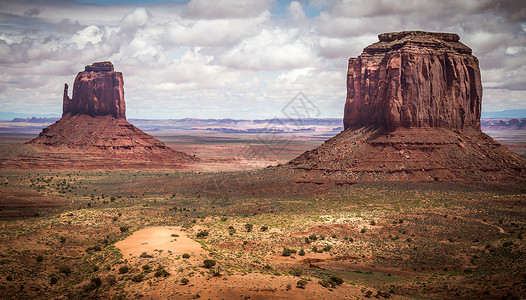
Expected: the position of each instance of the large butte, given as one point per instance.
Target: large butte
(412, 114)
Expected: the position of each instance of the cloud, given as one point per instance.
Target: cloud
(67, 26)
(216, 32)
(270, 50)
(225, 9)
(91, 34)
(239, 58)
(35, 11)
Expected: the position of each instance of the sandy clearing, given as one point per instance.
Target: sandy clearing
(158, 238)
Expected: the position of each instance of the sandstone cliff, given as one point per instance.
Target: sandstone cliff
(97, 91)
(93, 132)
(414, 79)
(412, 113)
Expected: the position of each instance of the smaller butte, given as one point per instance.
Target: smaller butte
(93, 132)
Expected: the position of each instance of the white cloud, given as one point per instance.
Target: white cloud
(217, 32)
(270, 50)
(91, 34)
(233, 58)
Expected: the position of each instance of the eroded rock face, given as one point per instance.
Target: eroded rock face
(414, 79)
(93, 132)
(98, 91)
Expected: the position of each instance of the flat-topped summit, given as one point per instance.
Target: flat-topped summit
(437, 41)
(105, 66)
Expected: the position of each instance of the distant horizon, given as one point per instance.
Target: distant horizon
(504, 114)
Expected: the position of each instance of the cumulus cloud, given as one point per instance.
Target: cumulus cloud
(235, 57)
(216, 32)
(91, 34)
(270, 50)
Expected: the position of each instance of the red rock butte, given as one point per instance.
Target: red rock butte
(412, 113)
(93, 132)
(414, 79)
(98, 91)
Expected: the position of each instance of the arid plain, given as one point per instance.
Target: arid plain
(79, 234)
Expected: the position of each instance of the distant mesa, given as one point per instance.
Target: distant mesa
(412, 113)
(93, 130)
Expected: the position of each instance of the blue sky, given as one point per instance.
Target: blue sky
(237, 58)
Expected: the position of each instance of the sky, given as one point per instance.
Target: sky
(241, 59)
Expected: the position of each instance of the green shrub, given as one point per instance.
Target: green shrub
(313, 237)
(97, 281)
(335, 280)
(231, 230)
(115, 218)
(301, 283)
(161, 272)
(301, 253)
(64, 269)
(145, 255)
(184, 281)
(263, 228)
(287, 252)
(93, 248)
(124, 269)
(249, 227)
(325, 283)
(209, 263)
(53, 279)
(40, 258)
(138, 278)
(363, 230)
(296, 272)
(124, 228)
(327, 248)
(202, 233)
(146, 268)
(186, 255)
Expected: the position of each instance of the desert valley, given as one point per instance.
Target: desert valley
(407, 197)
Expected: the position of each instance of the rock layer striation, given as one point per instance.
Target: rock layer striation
(412, 114)
(414, 79)
(93, 131)
(97, 91)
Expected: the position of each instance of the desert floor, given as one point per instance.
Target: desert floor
(169, 234)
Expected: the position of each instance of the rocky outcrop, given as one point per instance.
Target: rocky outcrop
(412, 114)
(414, 79)
(93, 132)
(98, 91)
